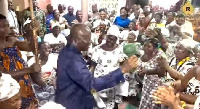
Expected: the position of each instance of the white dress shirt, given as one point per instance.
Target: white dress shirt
(12, 19)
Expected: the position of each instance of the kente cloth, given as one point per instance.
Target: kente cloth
(11, 60)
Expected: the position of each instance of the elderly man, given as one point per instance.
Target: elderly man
(70, 15)
(76, 85)
(79, 18)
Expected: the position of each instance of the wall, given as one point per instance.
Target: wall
(4, 7)
(23, 4)
(43, 3)
(75, 3)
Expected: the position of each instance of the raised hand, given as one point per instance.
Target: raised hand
(130, 64)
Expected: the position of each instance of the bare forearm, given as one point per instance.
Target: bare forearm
(190, 99)
(189, 106)
(174, 74)
(176, 106)
(160, 72)
(19, 73)
(24, 46)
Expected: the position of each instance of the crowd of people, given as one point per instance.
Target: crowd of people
(144, 58)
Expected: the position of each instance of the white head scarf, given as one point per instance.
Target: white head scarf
(114, 30)
(189, 44)
(9, 87)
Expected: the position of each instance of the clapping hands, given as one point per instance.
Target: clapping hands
(165, 95)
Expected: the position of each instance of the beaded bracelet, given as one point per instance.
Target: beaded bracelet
(183, 104)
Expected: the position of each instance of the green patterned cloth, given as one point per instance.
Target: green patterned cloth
(131, 107)
(130, 49)
(40, 16)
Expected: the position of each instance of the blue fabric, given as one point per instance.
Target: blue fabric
(49, 17)
(122, 22)
(22, 39)
(75, 81)
(39, 39)
(69, 18)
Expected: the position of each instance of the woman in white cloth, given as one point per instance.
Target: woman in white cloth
(9, 92)
(107, 58)
(48, 62)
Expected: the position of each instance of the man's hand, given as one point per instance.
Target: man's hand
(130, 64)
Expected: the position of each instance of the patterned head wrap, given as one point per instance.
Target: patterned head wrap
(188, 44)
(9, 87)
(114, 30)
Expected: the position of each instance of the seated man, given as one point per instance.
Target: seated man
(55, 39)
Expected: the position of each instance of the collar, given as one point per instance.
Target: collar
(71, 47)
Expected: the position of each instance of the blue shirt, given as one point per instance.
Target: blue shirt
(69, 18)
(122, 22)
(49, 17)
(75, 82)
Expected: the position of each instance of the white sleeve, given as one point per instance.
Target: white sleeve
(31, 61)
(96, 24)
(54, 58)
(46, 39)
(197, 103)
(63, 39)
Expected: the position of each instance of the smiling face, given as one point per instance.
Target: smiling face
(70, 10)
(56, 31)
(56, 14)
(111, 41)
(148, 48)
(79, 15)
(45, 49)
(131, 38)
(123, 12)
(181, 52)
(180, 20)
(132, 26)
(102, 15)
